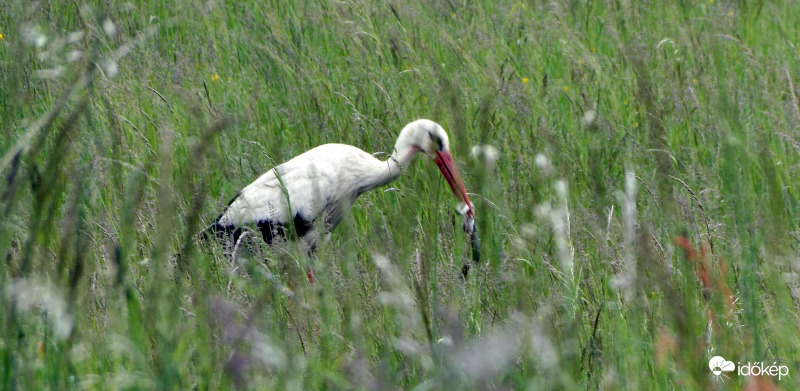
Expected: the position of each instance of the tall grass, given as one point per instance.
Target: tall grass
(641, 216)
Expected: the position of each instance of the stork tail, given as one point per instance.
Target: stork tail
(219, 230)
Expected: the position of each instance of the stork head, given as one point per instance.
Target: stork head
(428, 137)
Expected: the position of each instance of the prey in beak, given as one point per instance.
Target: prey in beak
(448, 168)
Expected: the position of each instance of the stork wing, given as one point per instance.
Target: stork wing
(326, 179)
(304, 184)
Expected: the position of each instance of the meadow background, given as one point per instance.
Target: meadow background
(640, 217)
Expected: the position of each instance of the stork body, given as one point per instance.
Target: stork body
(315, 189)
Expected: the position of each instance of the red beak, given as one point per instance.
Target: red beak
(445, 162)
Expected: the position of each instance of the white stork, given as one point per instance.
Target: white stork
(326, 181)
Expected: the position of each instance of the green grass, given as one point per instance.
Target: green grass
(112, 164)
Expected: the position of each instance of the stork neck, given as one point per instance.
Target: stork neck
(387, 170)
(401, 158)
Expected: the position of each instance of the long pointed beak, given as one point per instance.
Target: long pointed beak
(445, 162)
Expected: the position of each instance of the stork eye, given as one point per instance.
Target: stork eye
(437, 141)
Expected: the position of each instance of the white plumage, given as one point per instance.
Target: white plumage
(325, 182)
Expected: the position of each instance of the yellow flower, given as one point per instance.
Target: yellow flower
(594, 50)
(1, 36)
(524, 79)
(566, 88)
(215, 77)
(454, 14)
(711, 1)
(730, 13)
(694, 81)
